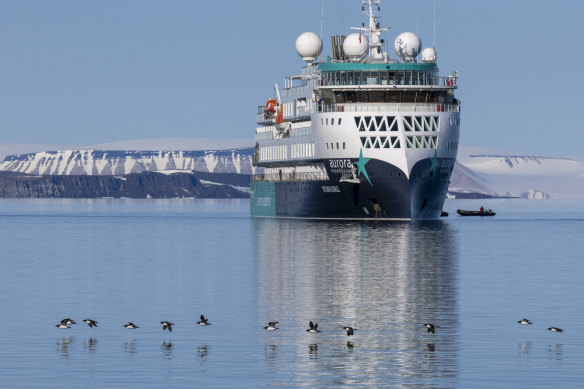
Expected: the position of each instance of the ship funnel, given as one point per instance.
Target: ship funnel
(334, 46)
(337, 46)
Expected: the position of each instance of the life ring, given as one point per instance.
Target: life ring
(271, 105)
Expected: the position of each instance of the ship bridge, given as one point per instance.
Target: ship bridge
(410, 85)
(383, 74)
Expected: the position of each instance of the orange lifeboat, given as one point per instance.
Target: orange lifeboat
(271, 106)
(280, 117)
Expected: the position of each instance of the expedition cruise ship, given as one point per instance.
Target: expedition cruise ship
(360, 135)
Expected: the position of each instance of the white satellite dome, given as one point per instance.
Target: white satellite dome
(429, 55)
(407, 46)
(309, 46)
(355, 47)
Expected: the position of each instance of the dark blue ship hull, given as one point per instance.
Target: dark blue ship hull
(385, 193)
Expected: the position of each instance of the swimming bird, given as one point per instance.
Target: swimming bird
(350, 330)
(68, 321)
(90, 323)
(313, 328)
(272, 326)
(167, 325)
(62, 326)
(524, 322)
(131, 326)
(431, 327)
(204, 321)
(555, 329)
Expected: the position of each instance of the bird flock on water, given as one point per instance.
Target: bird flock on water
(527, 322)
(272, 325)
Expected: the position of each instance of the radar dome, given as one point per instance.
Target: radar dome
(309, 46)
(407, 46)
(355, 47)
(429, 55)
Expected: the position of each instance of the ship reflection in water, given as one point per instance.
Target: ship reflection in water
(387, 280)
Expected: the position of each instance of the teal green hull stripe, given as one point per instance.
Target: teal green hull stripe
(263, 199)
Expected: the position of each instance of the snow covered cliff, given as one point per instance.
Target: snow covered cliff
(527, 176)
(117, 162)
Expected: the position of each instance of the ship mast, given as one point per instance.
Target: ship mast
(373, 31)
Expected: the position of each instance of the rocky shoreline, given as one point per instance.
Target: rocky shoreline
(135, 185)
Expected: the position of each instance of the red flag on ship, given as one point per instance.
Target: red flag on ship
(359, 36)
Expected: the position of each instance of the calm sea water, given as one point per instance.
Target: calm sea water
(145, 261)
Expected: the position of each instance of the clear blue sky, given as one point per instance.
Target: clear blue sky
(84, 72)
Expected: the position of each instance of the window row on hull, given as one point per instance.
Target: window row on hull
(376, 123)
(390, 123)
(421, 142)
(421, 123)
(380, 142)
(393, 142)
(384, 96)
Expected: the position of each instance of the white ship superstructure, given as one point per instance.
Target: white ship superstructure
(360, 135)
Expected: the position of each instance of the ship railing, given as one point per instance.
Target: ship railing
(302, 111)
(290, 177)
(384, 107)
(302, 131)
(296, 90)
(411, 81)
(267, 133)
(264, 136)
(262, 117)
